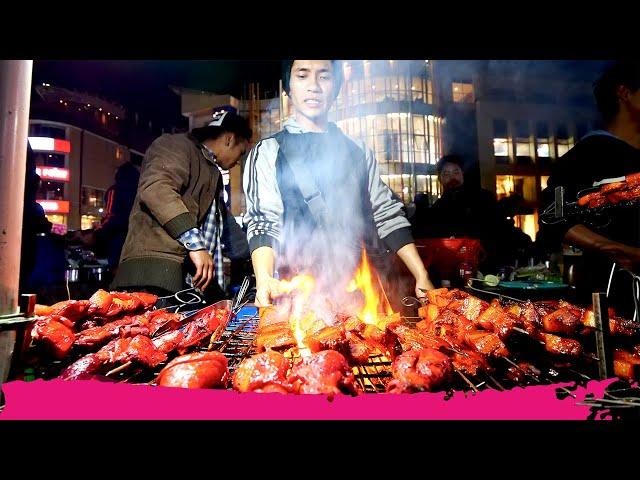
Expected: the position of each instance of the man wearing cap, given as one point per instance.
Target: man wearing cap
(176, 221)
(315, 197)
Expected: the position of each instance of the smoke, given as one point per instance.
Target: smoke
(330, 253)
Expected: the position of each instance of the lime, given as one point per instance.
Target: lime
(491, 280)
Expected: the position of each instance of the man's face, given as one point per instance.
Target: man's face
(231, 151)
(311, 88)
(451, 176)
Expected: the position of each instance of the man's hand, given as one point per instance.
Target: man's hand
(266, 290)
(204, 268)
(423, 283)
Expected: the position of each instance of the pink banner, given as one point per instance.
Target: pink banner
(94, 400)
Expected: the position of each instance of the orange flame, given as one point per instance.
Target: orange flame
(298, 319)
(376, 311)
(363, 281)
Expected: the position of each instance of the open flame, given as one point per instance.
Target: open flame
(299, 319)
(373, 302)
(299, 296)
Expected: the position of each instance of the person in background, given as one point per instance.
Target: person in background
(463, 210)
(108, 237)
(175, 227)
(608, 153)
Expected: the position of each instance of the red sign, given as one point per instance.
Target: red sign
(54, 206)
(53, 173)
(47, 144)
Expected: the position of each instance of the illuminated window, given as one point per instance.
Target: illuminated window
(523, 149)
(418, 92)
(89, 221)
(542, 148)
(400, 184)
(543, 181)
(525, 186)
(462, 92)
(563, 147)
(92, 197)
(501, 147)
(528, 224)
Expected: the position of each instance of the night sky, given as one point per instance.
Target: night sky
(143, 85)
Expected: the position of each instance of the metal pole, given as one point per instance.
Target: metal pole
(15, 94)
(603, 335)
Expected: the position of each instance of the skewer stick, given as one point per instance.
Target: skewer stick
(520, 330)
(466, 379)
(122, 367)
(580, 374)
(521, 369)
(622, 403)
(496, 382)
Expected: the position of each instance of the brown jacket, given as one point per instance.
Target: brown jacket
(177, 185)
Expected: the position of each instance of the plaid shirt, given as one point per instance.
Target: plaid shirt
(207, 237)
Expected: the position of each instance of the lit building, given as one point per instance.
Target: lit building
(75, 159)
(512, 119)
(389, 104)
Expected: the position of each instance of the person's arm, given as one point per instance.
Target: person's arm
(393, 227)
(410, 257)
(586, 239)
(264, 216)
(267, 287)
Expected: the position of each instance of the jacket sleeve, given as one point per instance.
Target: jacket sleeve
(264, 203)
(388, 213)
(165, 172)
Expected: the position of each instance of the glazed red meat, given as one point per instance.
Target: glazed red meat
(148, 299)
(168, 341)
(329, 338)
(562, 320)
(277, 336)
(486, 343)
(626, 364)
(55, 334)
(268, 369)
(122, 302)
(470, 363)
(360, 349)
(74, 310)
(496, 320)
(82, 368)
(100, 302)
(195, 370)
(325, 372)
(100, 335)
(200, 328)
(139, 349)
(561, 346)
(470, 307)
(412, 339)
(419, 370)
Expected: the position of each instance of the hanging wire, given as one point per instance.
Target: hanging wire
(635, 289)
